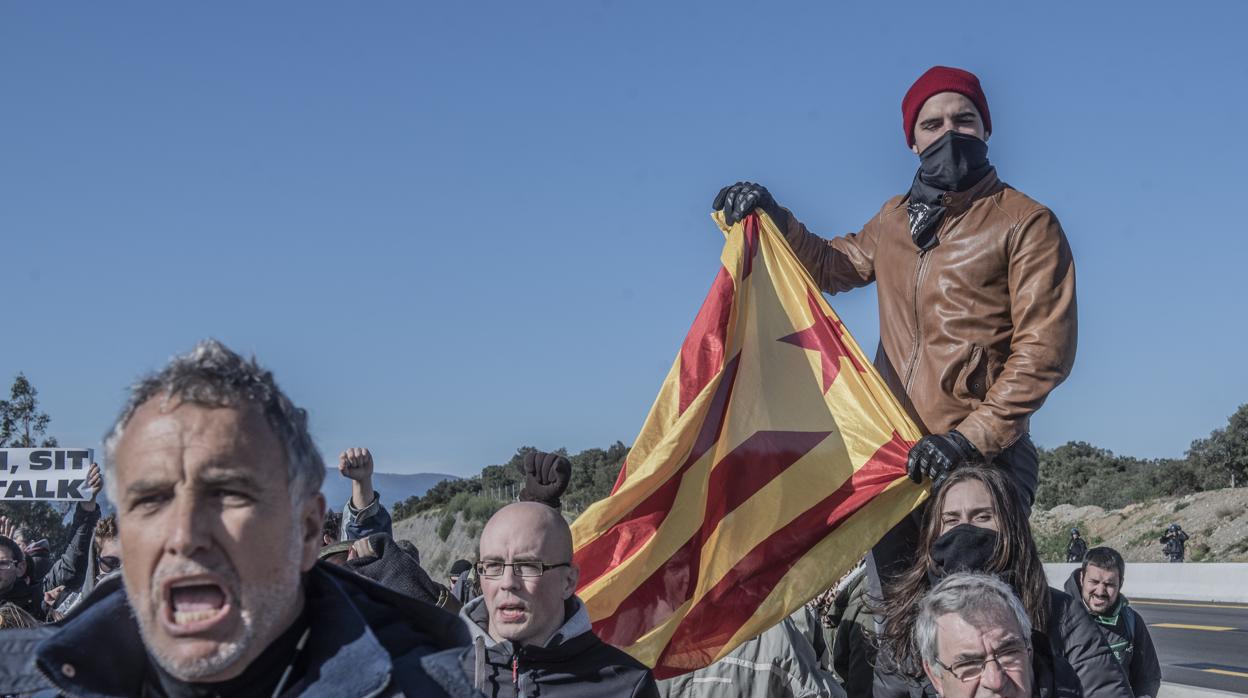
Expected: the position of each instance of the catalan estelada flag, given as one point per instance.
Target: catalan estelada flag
(771, 461)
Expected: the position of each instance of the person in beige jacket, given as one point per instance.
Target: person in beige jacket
(780, 662)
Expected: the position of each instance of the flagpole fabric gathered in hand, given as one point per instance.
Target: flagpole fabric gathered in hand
(773, 458)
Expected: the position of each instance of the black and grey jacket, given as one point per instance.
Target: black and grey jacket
(365, 641)
(573, 663)
(1128, 638)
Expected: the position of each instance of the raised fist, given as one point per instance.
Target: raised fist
(546, 476)
(356, 464)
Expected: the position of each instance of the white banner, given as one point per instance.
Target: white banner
(45, 474)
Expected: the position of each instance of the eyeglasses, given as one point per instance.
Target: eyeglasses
(1010, 658)
(7, 564)
(525, 568)
(108, 563)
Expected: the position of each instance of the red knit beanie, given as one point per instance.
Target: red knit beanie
(941, 79)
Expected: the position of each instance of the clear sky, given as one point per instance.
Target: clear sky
(453, 229)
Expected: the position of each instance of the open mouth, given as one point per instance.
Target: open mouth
(511, 612)
(195, 605)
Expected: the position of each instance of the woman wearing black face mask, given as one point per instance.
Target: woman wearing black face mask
(975, 522)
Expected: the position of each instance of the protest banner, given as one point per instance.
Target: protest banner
(58, 474)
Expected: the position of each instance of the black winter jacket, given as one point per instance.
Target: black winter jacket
(26, 596)
(1128, 638)
(398, 568)
(70, 570)
(573, 663)
(43, 574)
(1076, 637)
(365, 640)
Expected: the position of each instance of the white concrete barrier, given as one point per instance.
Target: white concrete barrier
(1187, 581)
(1175, 690)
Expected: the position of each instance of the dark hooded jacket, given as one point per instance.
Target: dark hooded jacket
(44, 574)
(364, 640)
(1128, 638)
(573, 663)
(70, 569)
(26, 596)
(396, 565)
(1076, 637)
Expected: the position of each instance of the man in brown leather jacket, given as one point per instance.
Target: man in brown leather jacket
(976, 288)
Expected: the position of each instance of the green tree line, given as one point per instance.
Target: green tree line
(594, 472)
(1075, 473)
(24, 425)
(1079, 473)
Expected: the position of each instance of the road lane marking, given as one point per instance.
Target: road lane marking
(1187, 605)
(1185, 626)
(1227, 673)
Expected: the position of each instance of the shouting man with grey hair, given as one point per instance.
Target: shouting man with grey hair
(976, 639)
(217, 486)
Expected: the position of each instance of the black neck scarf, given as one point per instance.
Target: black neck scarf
(257, 681)
(963, 548)
(954, 162)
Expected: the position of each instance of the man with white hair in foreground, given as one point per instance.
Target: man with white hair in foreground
(976, 640)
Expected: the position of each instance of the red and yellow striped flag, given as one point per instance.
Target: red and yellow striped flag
(771, 461)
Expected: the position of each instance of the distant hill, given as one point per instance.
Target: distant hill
(1216, 521)
(393, 487)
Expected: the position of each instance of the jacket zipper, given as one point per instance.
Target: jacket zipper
(914, 351)
(515, 672)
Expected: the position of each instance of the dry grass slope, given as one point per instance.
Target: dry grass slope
(1216, 521)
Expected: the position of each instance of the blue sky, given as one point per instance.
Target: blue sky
(457, 228)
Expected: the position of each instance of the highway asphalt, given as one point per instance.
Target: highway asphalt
(1199, 643)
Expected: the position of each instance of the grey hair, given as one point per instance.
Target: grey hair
(213, 375)
(973, 596)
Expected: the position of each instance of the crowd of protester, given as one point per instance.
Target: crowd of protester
(222, 573)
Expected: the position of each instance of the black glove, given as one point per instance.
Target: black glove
(936, 455)
(739, 199)
(546, 476)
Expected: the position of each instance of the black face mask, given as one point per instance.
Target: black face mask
(954, 162)
(964, 548)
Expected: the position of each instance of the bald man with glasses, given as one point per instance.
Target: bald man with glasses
(531, 634)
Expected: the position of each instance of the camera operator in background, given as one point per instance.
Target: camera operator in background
(1077, 548)
(1174, 543)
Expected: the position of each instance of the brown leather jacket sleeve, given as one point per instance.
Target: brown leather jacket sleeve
(1042, 350)
(838, 264)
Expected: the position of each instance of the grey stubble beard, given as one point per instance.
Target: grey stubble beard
(263, 604)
